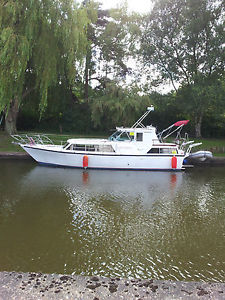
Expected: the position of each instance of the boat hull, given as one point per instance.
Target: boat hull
(104, 161)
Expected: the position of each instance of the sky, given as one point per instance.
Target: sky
(141, 6)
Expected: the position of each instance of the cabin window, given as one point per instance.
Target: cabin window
(79, 147)
(90, 148)
(106, 148)
(165, 150)
(66, 145)
(168, 150)
(114, 136)
(139, 137)
(123, 137)
(131, 135)
(154, 150)
(174, 151)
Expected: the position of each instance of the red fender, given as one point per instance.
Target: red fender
(174, 162)
(85, 161)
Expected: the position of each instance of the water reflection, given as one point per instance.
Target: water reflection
(129, 224)
(146, 187)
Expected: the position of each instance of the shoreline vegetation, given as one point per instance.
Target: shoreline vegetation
(216, 146)
(88, 72)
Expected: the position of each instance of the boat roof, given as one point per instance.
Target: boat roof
(136, 129)
(91, 141)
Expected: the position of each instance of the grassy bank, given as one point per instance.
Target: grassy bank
(6, 144)
(216, 146)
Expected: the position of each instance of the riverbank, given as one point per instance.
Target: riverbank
(15, 155)
(34, 286)
(216, 161)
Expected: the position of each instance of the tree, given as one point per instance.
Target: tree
(184, 40)
(200, 98)
(117, 105)
(40, 45)
(110, 40)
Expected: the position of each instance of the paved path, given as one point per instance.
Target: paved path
(32, 286)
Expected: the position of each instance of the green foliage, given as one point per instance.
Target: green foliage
(44, 39)
(184, 40)
(117, 106)
(110, 44)
(64, 113)
(43, 44)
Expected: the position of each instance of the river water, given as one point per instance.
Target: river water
(160, 225)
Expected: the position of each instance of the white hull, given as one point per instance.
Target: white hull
(104, 160)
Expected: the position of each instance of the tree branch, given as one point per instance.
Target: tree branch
(27, 92)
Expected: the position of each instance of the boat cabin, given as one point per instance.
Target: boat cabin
(88, 145)
(145, 135)
(123, 141)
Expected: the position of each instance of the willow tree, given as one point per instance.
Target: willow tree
(118, 105)
(40, 42)
(184, 40)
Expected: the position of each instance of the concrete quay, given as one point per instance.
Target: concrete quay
(216, 161)
(33, 286)
(15, 155)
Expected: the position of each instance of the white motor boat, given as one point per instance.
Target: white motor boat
(131, 148)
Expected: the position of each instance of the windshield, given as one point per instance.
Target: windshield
(66, 145)
(121, 136)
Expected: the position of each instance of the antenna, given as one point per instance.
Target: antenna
(138, 122)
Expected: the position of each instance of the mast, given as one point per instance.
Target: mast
(138, 122)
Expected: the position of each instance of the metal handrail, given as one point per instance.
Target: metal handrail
(31, 139)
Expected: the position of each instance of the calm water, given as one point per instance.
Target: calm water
(158, 225)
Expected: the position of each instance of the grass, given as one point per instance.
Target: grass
(217, 146)
(219, 154)
(6, 144)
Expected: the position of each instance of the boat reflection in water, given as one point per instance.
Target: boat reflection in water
(161, 225)
(121, 185)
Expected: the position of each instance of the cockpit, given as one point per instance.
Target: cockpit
(122, 136)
